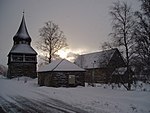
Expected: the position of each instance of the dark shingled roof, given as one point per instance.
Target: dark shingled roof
(22, 33)
(95, 60)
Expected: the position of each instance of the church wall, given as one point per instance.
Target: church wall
(22, 69)
(59, 79)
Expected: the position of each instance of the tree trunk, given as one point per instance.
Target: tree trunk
(127, 58)
(50, 52)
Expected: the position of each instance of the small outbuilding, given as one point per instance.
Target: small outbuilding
(61, 73)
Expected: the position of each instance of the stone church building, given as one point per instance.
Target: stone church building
(22, 58)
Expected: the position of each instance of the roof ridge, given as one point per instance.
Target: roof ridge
(57, 65)
(99, 51)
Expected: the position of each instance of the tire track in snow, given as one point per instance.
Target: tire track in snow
(59, 103)
(35, 106)
(9, 107)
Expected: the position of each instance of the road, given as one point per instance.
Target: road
(24, 105)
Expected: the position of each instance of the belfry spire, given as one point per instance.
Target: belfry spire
(22, 33)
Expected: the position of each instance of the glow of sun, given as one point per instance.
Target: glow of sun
(63, 53)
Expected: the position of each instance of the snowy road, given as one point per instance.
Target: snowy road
(17, 98)
(24, 105)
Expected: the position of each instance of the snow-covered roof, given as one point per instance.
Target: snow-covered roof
(120, 71)
(60, 65)
(95, 60)
(22, 48)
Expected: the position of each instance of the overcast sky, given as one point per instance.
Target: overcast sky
(86, 23)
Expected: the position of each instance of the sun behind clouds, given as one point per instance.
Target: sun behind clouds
(69, 54)
(63, 53)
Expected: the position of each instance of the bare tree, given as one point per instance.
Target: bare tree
(123, 31)
(106, 45)
(143, 34)
(51, 41)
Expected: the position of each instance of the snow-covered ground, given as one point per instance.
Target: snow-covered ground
(100, 99)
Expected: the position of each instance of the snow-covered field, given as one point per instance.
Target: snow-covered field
(100, 99)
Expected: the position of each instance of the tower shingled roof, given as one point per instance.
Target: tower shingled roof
(21, 47)
(22, 33)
